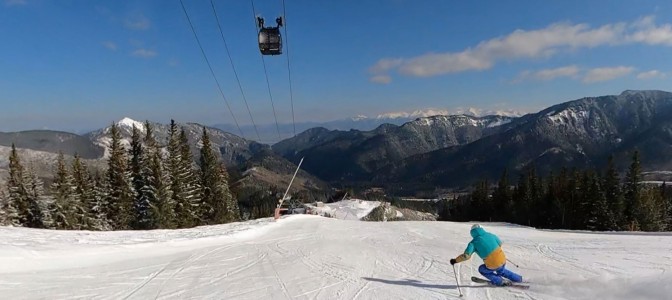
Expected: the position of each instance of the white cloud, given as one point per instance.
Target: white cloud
(533, 44)
(549, 74)
(145, 53)
(15, 2)
(382, 79)
(649, 33)
(110, 45)
(428, 112)
(650, 75)
(471, 111)
(605, 74)
(437, 64)
(418, 113)
(137, 22)
(393, 115)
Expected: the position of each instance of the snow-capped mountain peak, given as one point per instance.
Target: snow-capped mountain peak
(129, 123)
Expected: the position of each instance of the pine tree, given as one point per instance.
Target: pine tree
(632, 192)
(101, 190)
(667, 203)
(188, 215)
(502, 199)
(526, 196)
(480, 204)
(585, 203)
(563, 198)
(613, 193)
(649, 210)
(18, 209)
(120, 194)
(37, 203)
(182, 178)
(143, 195)
(4, 220)
(156, 191)
(85, 192)
(232, 208)
(599, 216)
(574, 200)
(66, 211)
(536, 211)
(215, 191)
(551, 210)
(174, 172)
(7, 212)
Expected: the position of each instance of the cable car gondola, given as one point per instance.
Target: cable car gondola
(270, 40)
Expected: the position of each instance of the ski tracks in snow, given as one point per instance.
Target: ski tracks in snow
(317, 258)
(145, 282)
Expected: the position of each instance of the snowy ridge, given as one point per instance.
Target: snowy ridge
(351, 209)
(570, 115)
(463, 120)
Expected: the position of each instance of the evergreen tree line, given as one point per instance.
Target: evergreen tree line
(571, 199)
(144, 187)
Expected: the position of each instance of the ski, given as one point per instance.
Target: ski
(513, 284)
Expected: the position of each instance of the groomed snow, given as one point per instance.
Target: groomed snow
(311, 257)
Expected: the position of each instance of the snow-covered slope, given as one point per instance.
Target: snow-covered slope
(310, 257)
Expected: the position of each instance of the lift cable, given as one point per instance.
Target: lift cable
(240, 86)
(219, 87)
(268, 84)
(289, 70)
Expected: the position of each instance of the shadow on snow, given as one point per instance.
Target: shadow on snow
(416, 283)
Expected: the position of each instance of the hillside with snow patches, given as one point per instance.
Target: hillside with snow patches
(312, 257)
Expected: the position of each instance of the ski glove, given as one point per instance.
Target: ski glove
(453, 261)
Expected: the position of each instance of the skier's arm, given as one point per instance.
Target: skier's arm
(467, 253)
(499, 242)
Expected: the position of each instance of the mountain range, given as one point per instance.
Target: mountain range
(456, 151)
(270, 133)
(448, 151)
(355, 155)
(581, 133)
(39, 150)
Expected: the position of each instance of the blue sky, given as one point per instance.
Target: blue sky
(80, 64)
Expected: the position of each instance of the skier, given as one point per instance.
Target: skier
(489, 248)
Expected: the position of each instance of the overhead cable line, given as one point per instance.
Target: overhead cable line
(240, 86)
(219, 87)
(289, 69)
(268, 84)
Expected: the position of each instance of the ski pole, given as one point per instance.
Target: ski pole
(517, 266)
(457, 281)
